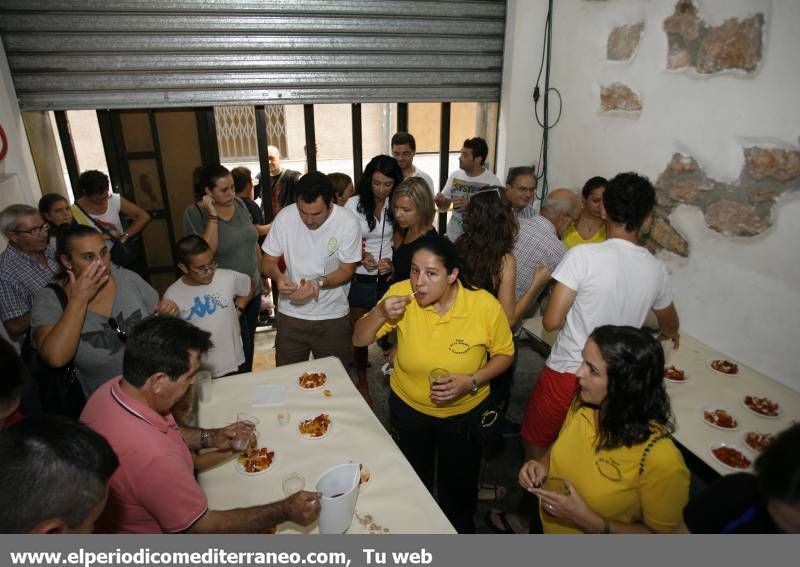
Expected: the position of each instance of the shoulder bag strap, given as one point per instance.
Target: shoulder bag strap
(97, 225)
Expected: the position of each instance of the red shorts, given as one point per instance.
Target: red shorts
(548, 406)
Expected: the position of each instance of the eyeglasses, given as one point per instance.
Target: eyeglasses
(523, 189)
(35, 231)
(203, 270)
(123, 336)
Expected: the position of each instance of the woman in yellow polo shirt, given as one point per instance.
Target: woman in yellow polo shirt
(614, 467)
(442, 322)
(590, 227)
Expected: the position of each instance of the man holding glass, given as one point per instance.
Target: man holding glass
(154, 489)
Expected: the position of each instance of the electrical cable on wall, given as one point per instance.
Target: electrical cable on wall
(544, 120)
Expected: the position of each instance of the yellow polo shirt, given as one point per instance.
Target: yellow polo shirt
(572, 237)
(458, 342)
(609, 480)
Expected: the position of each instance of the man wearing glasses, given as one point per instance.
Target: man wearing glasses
(521, 191)
(212, 299)
(26, 266)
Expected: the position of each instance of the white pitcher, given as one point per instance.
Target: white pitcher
(339, 489)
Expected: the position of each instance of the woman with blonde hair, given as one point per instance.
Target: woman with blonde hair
(414, 210)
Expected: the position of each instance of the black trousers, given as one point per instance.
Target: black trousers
(248, 321)
(446, 450)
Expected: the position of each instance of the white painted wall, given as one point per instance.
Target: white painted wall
(739, 295)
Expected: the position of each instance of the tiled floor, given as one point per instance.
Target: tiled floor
(501, 469)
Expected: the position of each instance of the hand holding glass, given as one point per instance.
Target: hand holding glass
(245, 431)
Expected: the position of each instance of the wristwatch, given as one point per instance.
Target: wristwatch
(322, 281)
(474, 388)
(204, 438)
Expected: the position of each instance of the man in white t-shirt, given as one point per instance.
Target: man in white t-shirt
(404, 148)
(616, 282)
(470, 177)
(321, 245)
(212, 299)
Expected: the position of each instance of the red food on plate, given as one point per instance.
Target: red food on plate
(763, 406)
(757, 441)
(256, 460)
(311, 380)
(731, 457)
(720, 418)
(672, 373)
(725, 366)
(316, 427)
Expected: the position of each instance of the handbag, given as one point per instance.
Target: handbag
(60, 391)
(122, 253)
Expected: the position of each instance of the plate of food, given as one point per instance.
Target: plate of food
(315, 426)
(719, 418)
(312, 381)
(255, 461)
(725, 367)
(756, 441)
(762, 406)
(672, 374)
(732, 456)
(365, 471)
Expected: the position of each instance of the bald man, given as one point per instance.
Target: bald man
(539, 238)
(279, 191)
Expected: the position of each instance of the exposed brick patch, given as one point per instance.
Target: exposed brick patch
(742, 208)
(736, 44)
(734, 218)
(619, 97)
(623, 41)
(781, 165)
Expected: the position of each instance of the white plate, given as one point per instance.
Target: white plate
(724, 373)
(668, 379)
(312, 416)
(297, 382)
(365, 468)
(240, 468)
(712, 408)
(743, 451)
(751, 410)
(748, 447)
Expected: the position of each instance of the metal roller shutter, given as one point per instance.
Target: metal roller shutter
(80, 54)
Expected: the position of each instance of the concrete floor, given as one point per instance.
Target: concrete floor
(502, 468)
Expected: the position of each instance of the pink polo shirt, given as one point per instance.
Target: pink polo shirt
(154, 489)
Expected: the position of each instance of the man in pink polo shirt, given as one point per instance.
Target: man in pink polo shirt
(154, 489)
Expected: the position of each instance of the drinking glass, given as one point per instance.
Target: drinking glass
(293, 483)
(204, 385)
(436, 375)
(245, 431)
(283, 418)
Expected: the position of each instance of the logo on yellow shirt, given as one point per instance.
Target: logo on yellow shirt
(459, 346)
(609, 468)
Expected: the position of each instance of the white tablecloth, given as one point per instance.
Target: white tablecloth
(394, 500)
(705, 387)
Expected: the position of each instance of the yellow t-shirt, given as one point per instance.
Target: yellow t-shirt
(572, 237)
(609, 480)
(458, 342)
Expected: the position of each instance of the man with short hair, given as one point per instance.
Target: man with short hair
(321, 244)
(278, 188)
(26, 265)
(154, 490)
(243, 185)
(539, 243)
(404, 148)
(54, 472)
(520, 191)
(471, 176)
(616, 282)
(212, 299)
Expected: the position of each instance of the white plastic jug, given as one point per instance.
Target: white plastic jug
(339, 489)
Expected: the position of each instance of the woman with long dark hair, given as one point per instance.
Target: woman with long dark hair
(614, 467)
(439, 408)
(371, 207)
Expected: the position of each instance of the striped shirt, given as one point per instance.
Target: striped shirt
(21, 278)
(537, 243)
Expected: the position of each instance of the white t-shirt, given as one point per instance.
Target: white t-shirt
(419, 173)
(211, 308)
(377, 241)
(459, 184)
(310, 254)
(617, 283)
(110, 219)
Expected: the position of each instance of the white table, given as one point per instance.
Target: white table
(705, 387)
(395, 499)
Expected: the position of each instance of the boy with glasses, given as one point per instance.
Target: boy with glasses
(212, 299)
